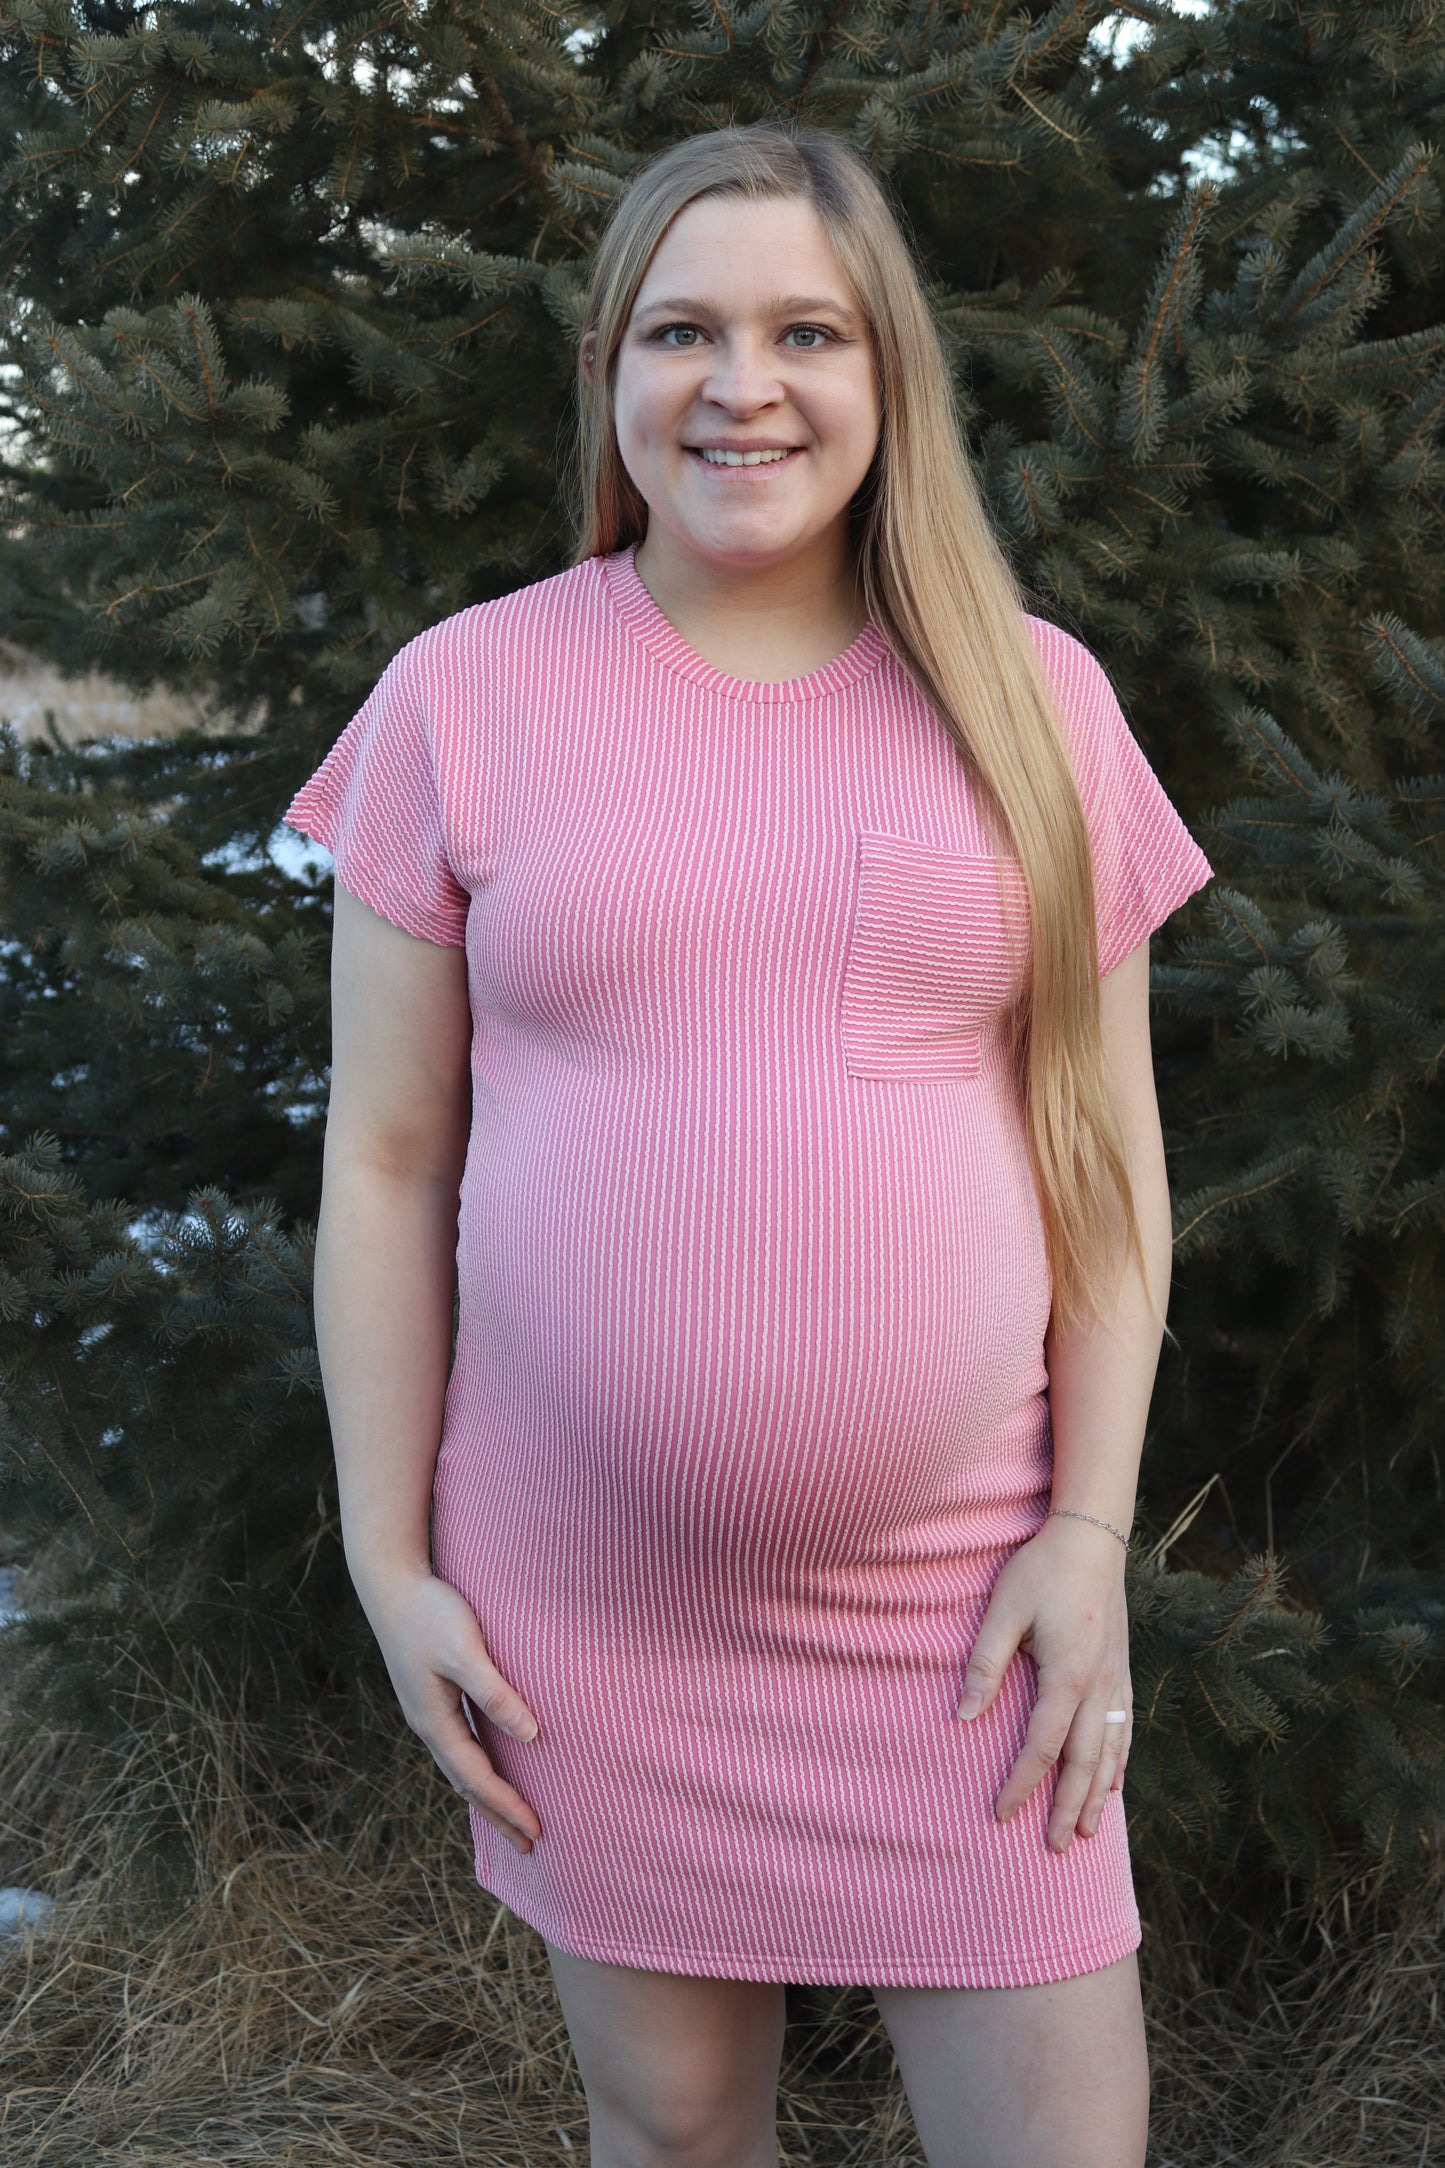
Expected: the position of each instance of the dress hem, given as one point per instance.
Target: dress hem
(1039, 1969)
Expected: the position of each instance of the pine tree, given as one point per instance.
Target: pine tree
(287, 346)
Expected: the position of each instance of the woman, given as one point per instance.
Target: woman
(741, 964)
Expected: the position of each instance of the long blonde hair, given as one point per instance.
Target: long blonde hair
(939, 589)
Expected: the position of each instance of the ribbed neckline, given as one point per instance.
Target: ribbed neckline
(629, 595)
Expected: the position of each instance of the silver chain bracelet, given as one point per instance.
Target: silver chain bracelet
(1073, 1516)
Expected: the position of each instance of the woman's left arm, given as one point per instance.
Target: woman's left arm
(1060, 1597)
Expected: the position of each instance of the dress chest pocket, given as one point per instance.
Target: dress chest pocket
(936, 951)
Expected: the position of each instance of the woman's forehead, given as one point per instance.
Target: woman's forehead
(773, 250)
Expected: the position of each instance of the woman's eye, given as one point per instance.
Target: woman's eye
(815, 334)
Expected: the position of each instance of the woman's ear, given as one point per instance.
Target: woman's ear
(589, 354)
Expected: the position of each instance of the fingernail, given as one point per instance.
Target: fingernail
(971, 1703)
(524, 1727)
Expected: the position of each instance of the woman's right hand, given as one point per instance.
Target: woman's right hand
(432, 1642)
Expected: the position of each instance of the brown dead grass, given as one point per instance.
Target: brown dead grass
(91, 705)
(310, 1975)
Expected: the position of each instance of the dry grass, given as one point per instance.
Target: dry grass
(90, 704)
(1315, 2042)
(307, 1973)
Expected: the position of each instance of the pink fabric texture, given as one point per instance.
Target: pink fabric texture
(749, 1403)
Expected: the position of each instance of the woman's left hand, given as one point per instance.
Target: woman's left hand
(1060, 1598)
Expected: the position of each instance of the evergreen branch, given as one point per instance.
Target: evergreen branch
(1067, 24)
(1139, 414)
(821, 44)
(511, 131)
(1177, 272)
(161, 103)
(1276, 757)
(1229, 1197)
(1325, 267)
(1411, 661)
(203, 339)
(1422, 1200)
(1019, 92)
(1155, 503)
(1382, 358)
(103, 1526)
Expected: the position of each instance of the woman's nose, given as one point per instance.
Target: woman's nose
(744, 372)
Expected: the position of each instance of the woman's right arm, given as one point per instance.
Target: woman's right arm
(396, 1140)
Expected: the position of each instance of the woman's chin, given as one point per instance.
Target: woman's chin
(738, 534)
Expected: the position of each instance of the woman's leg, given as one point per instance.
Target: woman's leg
(679, 2072)
(1023, 2077)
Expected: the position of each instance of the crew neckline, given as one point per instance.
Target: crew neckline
(645, 620)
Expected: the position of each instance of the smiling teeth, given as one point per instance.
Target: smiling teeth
(741, 459)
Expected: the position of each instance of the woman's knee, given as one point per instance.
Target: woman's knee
(656, 2133)
(680, 2109)
(679, 2072)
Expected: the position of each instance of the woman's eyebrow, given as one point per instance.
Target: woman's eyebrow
(780, 305)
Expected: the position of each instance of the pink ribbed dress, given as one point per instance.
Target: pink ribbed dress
(749, 1403)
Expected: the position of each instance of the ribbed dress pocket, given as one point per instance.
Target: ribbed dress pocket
(929, 964)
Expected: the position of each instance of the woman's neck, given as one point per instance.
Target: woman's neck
(778, 622)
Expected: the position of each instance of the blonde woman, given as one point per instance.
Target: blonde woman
(740, 980)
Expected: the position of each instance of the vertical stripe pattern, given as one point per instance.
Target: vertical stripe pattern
(749, 1401)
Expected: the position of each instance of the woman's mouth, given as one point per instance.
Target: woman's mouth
(719, 462)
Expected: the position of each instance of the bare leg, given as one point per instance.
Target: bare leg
(1022, 2077)
(679, 2072)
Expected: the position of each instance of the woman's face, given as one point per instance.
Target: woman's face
(746, 334)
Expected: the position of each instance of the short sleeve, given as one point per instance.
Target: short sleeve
(1146, 863)
(375, 804)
